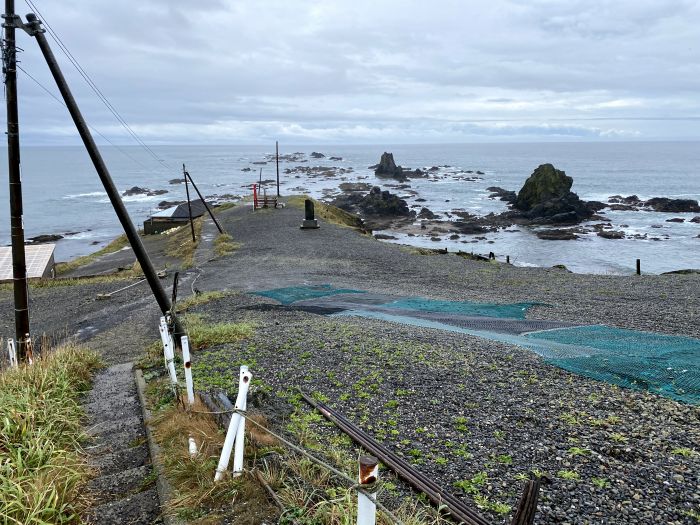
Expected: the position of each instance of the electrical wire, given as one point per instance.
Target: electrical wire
(95, 89)
(53, 96)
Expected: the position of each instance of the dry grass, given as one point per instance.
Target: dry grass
(197, 498)
(195, 300)
(180, 246)
(42, 474)
(224, 245)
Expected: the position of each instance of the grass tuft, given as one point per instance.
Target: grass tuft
(203, 334)
(180, 246)
(42, 473)
(224, 245)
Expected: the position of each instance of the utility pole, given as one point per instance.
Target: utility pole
(189, 205)
(33, 27)
(277, 163)
(19, 264)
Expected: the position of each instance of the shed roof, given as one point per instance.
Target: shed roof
(180, 211)
(38, 257)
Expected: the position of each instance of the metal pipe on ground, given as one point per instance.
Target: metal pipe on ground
(456, 508)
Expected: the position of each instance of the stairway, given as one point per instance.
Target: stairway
(125, 491)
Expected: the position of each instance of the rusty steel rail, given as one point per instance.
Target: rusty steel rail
(454, 506)
(527, 507)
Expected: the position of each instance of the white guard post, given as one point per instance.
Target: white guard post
(188, 369)
(168, 351)
(12, 351)
(366, 506)
(239, 443)
(193, 447)
(232, 432)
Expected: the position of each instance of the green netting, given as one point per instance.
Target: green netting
(293, 294)
(507, 311)
(667, 365)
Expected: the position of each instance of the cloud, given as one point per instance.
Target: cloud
(310, 70)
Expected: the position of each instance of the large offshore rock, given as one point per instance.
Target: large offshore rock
(546, 196)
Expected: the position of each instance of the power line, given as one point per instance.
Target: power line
(52, 95)
(94, 87)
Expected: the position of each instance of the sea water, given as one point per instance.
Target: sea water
(63, 195)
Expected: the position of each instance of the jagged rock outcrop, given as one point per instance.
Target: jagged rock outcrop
(387, 168)
(376, 203)
(546, 197)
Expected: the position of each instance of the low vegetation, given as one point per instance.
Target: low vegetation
(223, 245)
(327, 212)
(180, 246)
(42, 473)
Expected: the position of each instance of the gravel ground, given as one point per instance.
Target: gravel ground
(274, 252)
(458, 406)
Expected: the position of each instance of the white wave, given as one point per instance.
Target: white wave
(85, 195)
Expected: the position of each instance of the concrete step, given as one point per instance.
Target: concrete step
(114, 486)
(136, 509)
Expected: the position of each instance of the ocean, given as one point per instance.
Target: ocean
(63, 195)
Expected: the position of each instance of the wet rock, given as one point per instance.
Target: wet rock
(376, 203)
(425, 213)
(246, 169)
(695, 219)
(676, 219)
(470, 227)
(384, 236)
(317, 155)
(176, 181)
(557, 235)
(355, 186)
(664, 204)
(136, 190)
(336, 158)
(561, 267)
(501, 193)
(169, 204)
(611, 234)
(40, 239)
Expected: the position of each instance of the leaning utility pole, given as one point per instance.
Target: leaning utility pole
(19, 265)
(33, 27)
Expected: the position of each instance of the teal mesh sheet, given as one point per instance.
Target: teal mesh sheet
(293, 294)
(664, 364)
(507, 311)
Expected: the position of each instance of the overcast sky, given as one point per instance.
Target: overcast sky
(371, 71)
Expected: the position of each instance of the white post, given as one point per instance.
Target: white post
(193, 447)
(168, 351)
(12, 351)
(366, 506)
(188, 369)
(243, 384)
(239, 443)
